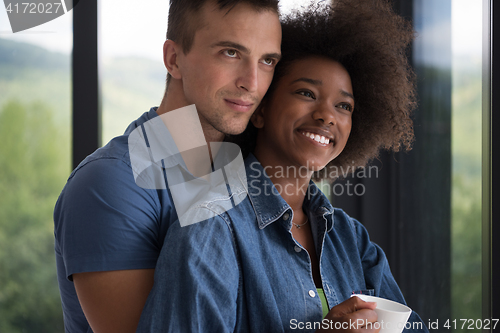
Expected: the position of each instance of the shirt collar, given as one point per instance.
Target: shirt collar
(318, 205)
(268, 204)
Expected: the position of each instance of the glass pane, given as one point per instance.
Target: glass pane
(426, 175)
(466, 159)
(35, 113)
(447, 59)
(424, 207)
(131, 61)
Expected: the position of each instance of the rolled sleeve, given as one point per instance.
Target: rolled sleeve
(103, 221)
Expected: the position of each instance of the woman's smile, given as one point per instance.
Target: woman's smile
(316, 138)
(307, 119)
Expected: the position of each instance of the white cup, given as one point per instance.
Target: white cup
(392, 316)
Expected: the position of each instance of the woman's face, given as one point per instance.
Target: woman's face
(307, 120)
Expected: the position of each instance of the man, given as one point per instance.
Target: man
(220, 55)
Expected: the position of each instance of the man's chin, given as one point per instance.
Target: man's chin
(234, 127)
(233, 131)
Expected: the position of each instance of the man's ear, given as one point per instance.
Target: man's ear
(170, 52)
(257, 118)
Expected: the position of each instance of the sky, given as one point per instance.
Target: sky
(466, 27)
(139, 28)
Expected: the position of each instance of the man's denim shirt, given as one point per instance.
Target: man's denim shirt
(242, 271)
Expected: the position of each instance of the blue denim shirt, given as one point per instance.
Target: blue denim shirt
(242, 271)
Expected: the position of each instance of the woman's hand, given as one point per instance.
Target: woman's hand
(353, 315)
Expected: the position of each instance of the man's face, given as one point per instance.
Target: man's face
(230, 66)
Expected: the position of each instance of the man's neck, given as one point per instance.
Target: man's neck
(174, 99)
(197, 162)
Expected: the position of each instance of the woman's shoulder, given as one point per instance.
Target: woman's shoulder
(342, 219)
(345, 226)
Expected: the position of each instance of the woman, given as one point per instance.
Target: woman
(283, 259)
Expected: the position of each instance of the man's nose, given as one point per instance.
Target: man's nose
(248, 78)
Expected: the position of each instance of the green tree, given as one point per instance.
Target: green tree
(466, 192)
(34, 164)
(466, 244)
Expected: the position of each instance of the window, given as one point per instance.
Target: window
(424, 208)
(466, 159)
(131, 61)
(35, 114)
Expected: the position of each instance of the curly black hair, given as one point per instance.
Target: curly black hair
(371, 42)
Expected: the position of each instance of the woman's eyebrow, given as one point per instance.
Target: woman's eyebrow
(319, 83)
(308, 80)
(347, 94)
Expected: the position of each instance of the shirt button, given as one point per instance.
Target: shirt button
(297, 248)
(286, 216)
(312, 293)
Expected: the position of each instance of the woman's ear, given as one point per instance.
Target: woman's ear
(257, 118)
(171, 50)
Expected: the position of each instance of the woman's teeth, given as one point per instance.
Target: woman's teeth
(317, 137)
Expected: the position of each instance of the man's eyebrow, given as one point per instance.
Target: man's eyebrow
(232, 45)
(244, 49)
(276, 56)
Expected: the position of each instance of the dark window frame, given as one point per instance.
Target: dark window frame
(491, 159)
(86, 120)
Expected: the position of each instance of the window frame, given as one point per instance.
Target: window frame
(491, 159)
(86, 120)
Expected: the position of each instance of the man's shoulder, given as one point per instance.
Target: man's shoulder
(105, 177)
(115, 154)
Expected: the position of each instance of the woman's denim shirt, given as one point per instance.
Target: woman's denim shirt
(242, 271)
